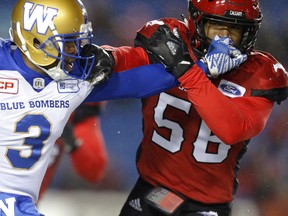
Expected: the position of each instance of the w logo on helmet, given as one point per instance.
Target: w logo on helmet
(38, 16)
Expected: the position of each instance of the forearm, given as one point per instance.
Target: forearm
(138, 82)
(126, 57)
(230, 119)
(90, 159)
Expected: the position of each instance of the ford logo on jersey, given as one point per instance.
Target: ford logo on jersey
(231, 89)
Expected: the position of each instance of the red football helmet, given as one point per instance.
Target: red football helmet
(246, 13)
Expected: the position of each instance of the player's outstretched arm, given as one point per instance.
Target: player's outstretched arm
(137, 82)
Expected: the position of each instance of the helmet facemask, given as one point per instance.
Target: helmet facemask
(197, 20)
(66, 62)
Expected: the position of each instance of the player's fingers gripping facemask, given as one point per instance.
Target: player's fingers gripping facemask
(101, 65)
(51, 33)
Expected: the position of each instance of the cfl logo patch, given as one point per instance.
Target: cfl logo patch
(8, 208)
(38, 83)
(9, 86)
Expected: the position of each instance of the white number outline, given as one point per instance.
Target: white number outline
(174, 144)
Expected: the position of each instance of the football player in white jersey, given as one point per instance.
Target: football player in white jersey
(47, 69)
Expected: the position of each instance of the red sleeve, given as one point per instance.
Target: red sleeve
(128, 57)
(90, 159)
(230, 119)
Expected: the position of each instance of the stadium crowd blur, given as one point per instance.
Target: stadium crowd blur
(263, 175)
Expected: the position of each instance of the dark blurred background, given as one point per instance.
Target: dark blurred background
(264, 172)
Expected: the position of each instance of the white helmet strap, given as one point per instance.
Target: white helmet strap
(56, 73)
(23, 42)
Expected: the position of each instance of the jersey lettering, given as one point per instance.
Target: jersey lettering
(203, 140)
(9, 86)
(39, 17)
(9, 209)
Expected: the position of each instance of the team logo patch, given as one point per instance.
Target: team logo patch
(38, 83)
(136, 204)
(68, 86)
(231, 89)
(37, 15)
(9, 86)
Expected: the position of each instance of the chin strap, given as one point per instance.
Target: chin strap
(56, 73)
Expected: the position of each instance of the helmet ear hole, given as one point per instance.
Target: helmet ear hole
(36, 43)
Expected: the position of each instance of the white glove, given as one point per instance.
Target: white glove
(222, 57)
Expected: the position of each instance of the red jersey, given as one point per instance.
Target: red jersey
(196, 134)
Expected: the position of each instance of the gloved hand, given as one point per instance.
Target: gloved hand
(221, 57)
(85, 111)
(167, 47)
(102, 63)
(68, 138)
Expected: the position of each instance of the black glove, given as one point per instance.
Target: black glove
(68, 138)
(85, 111)
(168, 48)
(102, 64)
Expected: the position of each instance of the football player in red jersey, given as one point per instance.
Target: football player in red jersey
(82, 138)
(195, 135)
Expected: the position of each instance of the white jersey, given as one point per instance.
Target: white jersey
(34, 110)
(31, 121)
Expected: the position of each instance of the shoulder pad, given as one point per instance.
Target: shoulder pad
(150, 27)
(276, 95)
(273, 77)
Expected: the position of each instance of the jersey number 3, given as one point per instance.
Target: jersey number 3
(27, 157)
(173, 145)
